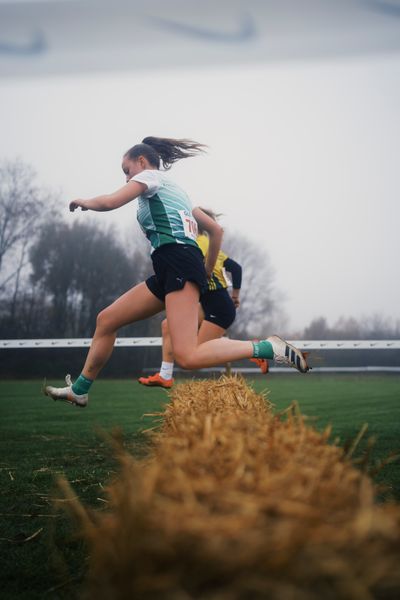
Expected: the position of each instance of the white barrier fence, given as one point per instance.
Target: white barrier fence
(304, 345)
(76, 343)
(157, 341)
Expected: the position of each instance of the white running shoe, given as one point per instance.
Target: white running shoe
(287, 354)
(66, 394)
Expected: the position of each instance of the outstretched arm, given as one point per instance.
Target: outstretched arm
(128, 192)
(215, 233)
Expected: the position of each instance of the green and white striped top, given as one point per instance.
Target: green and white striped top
(165, 211)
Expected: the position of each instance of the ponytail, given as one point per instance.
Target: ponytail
(170, 150)
(165, 150)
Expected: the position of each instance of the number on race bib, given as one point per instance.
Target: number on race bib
(189, 225)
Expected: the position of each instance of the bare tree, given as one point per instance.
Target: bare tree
(378, 326)
(23, 206)
(373, 327)
(261, 311)
(318, 329)
(80, 268)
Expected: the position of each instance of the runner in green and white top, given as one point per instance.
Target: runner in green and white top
(165, 211)
(180, 275)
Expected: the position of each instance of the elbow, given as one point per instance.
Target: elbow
(217, 232)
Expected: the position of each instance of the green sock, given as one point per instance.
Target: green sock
(81, 385)
(263, 349)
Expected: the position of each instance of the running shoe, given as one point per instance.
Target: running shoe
(156, 380)
(262, 363)
(287, 354)
(66, 394)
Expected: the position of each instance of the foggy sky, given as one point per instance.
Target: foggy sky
(303, 159)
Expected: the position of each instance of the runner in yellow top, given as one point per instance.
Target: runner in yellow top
(217, 311)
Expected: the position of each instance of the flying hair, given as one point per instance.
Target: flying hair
(171, 150)
(213, 215)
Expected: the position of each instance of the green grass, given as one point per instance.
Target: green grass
(40, 439)
(347, 402)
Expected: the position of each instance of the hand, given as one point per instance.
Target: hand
(235, 299)
(77, 204)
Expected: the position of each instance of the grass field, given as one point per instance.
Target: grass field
(39, 439)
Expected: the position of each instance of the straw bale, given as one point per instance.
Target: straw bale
(237, 502)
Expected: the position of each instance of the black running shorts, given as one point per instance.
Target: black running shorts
(218, 308)
(174, 265)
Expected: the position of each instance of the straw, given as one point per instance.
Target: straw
(236, 502)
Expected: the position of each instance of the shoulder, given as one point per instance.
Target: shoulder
(153, 179)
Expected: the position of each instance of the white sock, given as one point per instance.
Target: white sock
(166, 370)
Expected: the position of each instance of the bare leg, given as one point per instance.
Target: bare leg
(209, 331)
(182, 315)
(136, 304)
(167, 354)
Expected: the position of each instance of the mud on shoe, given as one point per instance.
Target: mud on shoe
(287, 354)
(66, 394)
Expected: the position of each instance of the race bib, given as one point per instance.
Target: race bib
(189, 225)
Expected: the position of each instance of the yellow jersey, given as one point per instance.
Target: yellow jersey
(218, 280)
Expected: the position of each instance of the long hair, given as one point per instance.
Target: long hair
(214, 216)
(165, 150)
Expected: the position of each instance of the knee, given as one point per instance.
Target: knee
(104, 321)
(185, 361)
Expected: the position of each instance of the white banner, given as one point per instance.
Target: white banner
(60, 36)
(157, 341)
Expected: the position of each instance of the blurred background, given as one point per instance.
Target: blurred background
(298, 102)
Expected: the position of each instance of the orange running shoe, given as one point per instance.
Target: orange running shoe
(262, 363)
(156, 380)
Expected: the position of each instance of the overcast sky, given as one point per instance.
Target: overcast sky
(303, 159)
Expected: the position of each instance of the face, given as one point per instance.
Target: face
(131, 167)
